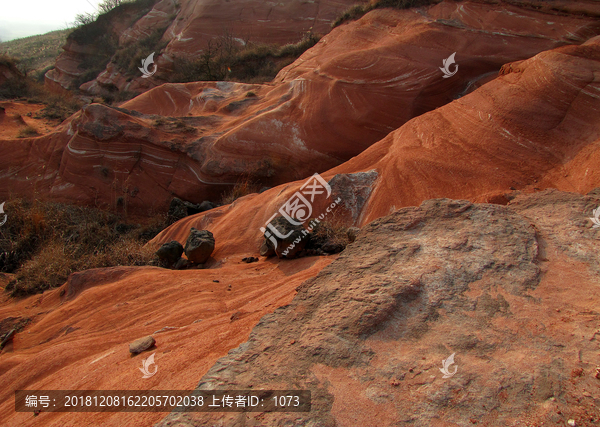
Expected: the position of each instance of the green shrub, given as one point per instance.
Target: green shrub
(130, 57)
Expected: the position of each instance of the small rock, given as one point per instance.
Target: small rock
(571, 423)
(206, 206)
(141, 344)
(266, 250)
(216, 281)
(199, 246)
(577, 372)
(235, 316)
(250, 259)
(170, 253)
(181, 264)
(351, 233)
(290, 245)
(9, 336)
(333, 247)
(180, 209)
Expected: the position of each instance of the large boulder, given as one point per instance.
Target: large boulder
(285, 241)
(169, 253)
(199, 246)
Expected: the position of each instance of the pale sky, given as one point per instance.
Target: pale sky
(22, 18)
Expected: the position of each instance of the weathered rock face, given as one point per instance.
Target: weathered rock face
(330, 105)
(500, 136)
(187, 27)
(87, 52)
(509, 290)
(199, 246)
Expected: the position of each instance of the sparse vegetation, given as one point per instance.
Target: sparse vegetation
(226, 59)
(36, 54)
(58, 107)
(245, 185)
(358, 10)
(15, 84)
(130, 57)
(99, 34)
(330, 234)
(27, 131)
(42, 243)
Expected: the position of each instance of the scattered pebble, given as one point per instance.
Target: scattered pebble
(141, 344)
(571, 423)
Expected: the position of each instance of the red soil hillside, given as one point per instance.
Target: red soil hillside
(78, 336)
(190, 24)
(363, 80)
(534, 127)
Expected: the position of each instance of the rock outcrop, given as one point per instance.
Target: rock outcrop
(487, 146)
(510, 291)
(327, 107)
(183, 28)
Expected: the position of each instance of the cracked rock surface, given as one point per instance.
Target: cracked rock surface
(512, 291)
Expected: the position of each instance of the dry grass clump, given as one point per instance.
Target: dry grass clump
(58, 107)
(242, 188)
(42, 243)
(27, 131)
(330, 233)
